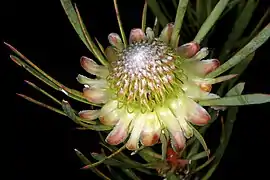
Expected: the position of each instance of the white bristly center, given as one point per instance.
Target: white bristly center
(143, 73)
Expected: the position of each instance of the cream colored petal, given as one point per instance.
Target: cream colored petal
(188, 50)
(150, 34)
(201, 68)
(94, 83)
(171, 123)
(179, 110)
(198, 92)
(121, 129)
(151, 130)
(93, 68)
(136, 128)
(194, 91)
(111, 118)
(111, 54)
(197, 114)
(108, 107)
(118, 134)
(136, 35)
(116, 41)
(89, 114)
(200, 54)
(96, 95)
(166, 33)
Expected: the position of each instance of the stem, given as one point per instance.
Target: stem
(211, 20)
(181, 10)
(144, 16)
(120, 23)
(108, 157)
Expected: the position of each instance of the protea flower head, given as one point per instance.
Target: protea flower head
(150, 87)
(149, 90)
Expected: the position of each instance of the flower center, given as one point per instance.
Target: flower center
(145, 75)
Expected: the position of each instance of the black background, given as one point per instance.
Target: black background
(40, 143)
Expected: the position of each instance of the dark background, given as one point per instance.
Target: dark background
(40, 143)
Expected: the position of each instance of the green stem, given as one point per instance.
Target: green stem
(87, 161)
(181, 10)
(211, 20)
(42, 104)
(157, 12)
(252, 46)
(144, 15)
(43, 91)
(108, 157)
(120, 23)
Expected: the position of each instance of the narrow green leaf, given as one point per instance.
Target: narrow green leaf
(191, 16)
(164, 145)
(43, 92)
(71, 114)
(144, 15)
(230, 6)
(252, 46)
(120, 23)
(111, 161)
(85, 161)
(126, 159)
(42, 104)
(114, 162)
(231, 117)
(238, 69)
(258, 26)
(227, 130)
(114, 174)
(181, 10)
(204, 164)
(156, 27)
(211, 20)
(240, 100)
(198, 156)
(156, 165)
(245, 40)
(33, 72)
(130, 174)
(73, 18)
(100, 47)
(154, 6)
(201, 140)
(103, 159)
(165, 10)
(236, 90)
(95, 50)
(196, 144)
(51, 108)
(201, 11)
(32, 65)
(41, 75)
(238, 28)
(171, 176)
(209, 6)
(146, 154)
(150, 153)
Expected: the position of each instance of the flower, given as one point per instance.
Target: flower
(149, 87)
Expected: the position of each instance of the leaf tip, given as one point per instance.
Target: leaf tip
(30, 83)
(65, 102)
(15, 60)
(84, 167)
